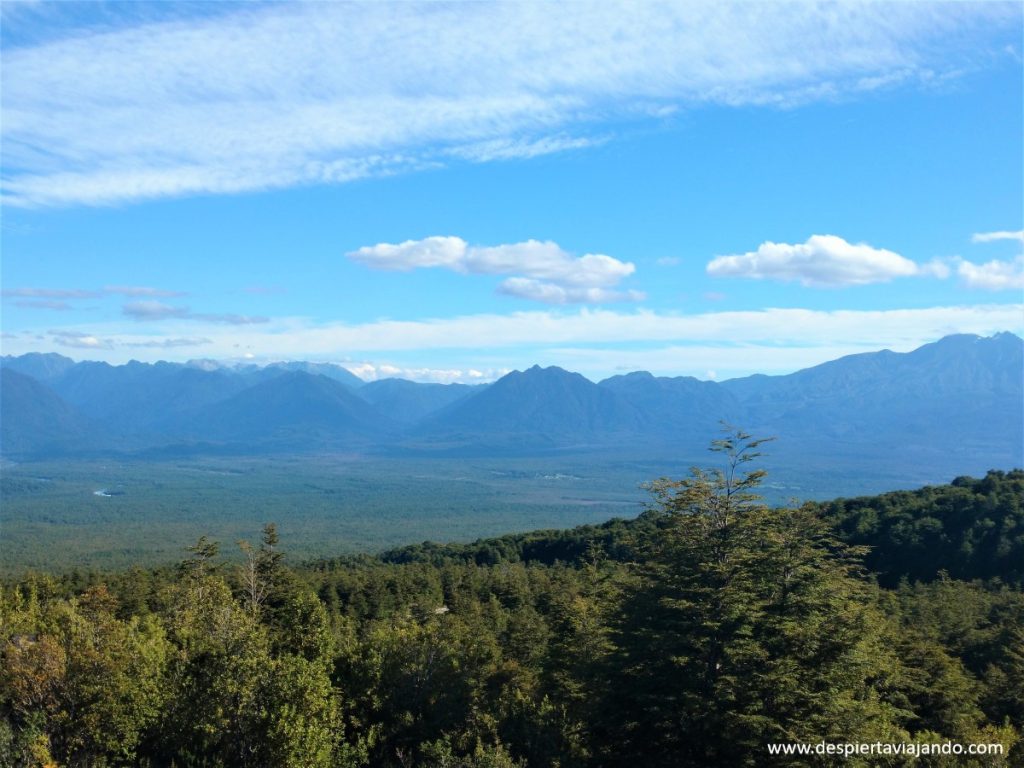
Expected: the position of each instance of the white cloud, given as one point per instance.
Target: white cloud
(744, 341)
(434, 251)
(80, 340)
(993, 275)
(551, 293)
(988, 237)
(377, 371)
(522, 149)
(532, 258)
(596, 343)
(543, 270)
(770, 327)
(256, 96)
(547, 261)
(823, 261)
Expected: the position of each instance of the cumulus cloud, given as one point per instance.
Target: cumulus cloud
(824, 261)
(993, 275)
(241, 96)
(543, 270)
(430, 252)
(988, 237)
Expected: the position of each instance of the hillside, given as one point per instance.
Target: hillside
(34, 419)
(953, 406)
(295, 410)
(539, 406)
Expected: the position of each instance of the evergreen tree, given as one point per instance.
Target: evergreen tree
(749, 625)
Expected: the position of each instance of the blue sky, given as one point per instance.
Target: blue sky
(447, 192)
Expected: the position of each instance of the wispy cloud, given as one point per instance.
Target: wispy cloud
(90, 293)
(51, 304)
(167, 343)
(775, 327)
(157, 310)
(522, 149)
(376, 371)
(543, 270)
(824, 261)
(152, 310)
(141, 290)
(988, 237)
(80, 340)
(228, 318)
(52, 293)
(258, 96)
(596, 342)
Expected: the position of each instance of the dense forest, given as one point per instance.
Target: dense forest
(694, 635)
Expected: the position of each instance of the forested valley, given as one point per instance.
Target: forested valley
(694, 635)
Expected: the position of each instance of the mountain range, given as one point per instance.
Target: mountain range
(960, 396)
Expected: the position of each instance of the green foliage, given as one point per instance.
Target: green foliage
(79, 683)
(749, 625)
(693, 635)
(969, 529)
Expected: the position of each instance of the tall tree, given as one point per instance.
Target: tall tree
(749, 625)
